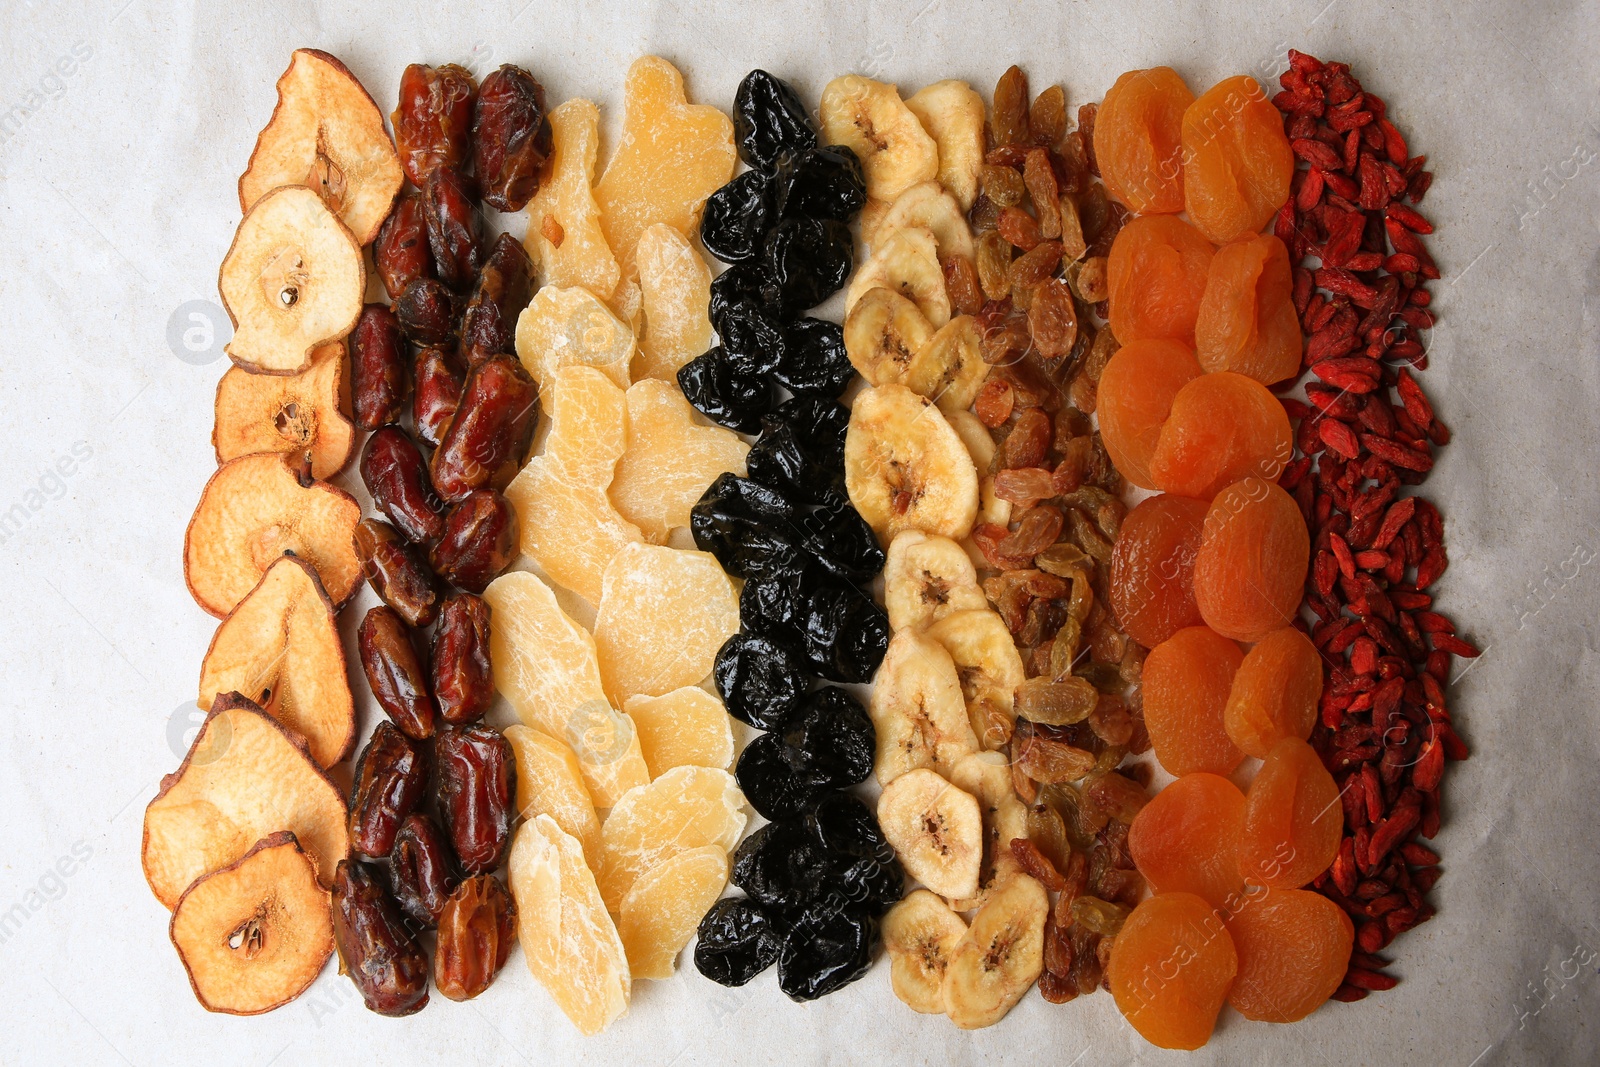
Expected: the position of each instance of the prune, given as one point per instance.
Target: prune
(842, 541)
(396, 475)
(503, 289)
(737, 217)
(775, 607)
(773, 787)
(421, 869)
(825, 950)
(760, 681)
(454, 232)
(846, 826)
(433, 123)
(740, 282)
(395, 672)
(390, 779)
(845, 634)
(428, 312)
(379, 382)
(778, 460)
(752, 340)
(386, 963)
(749, 527)
(735, 942)
(511, 137)
(769, 119)
(463, 676)
(401, 253)
(476, 781)
(396, 572)
(478, 542)
(814, 361)
(830, 742)
(723, 394)
(782, 866)
(487, 439)
(819, 183)
(809, 260)
(476, 932)
(821, 424)
(436, 395)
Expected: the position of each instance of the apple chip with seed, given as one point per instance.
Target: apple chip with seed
(280, 647)
(243, 778)
(254, 934)
(327, 134)
(253, 510)
(292, 281)
(288, 413)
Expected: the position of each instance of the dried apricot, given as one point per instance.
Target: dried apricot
(1275, 693)
(1171, 968)
(1152, 568)
(1222, 427)
(1294, 949)
(1247, 322)
(1155, 277)
(1292, 818)
(1187, 679)
(1186, 839)
(1237, 162)
(1251, 567)
(1136, 392)
(1137, 135)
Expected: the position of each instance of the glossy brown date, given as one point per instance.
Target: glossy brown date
(474, 783)
(394, 671)
(478, 543)
(511, 137)
(428, 312)
(504, 288)
(380, 380)
(421, 869)
(463, 681)
(397, 572)
(476, 932)
(433, 124)
(454, 232)
(376, 950)
(397, 477)
(435, 395)
(401, 252)
(391, 777)
(489, 436)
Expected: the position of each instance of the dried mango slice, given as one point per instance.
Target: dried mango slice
(687, 727)
(675, 290)
(683, 809)
(664, 612)
(671, 456)
(571, 327)
(550, 782)
(665, 905)
(565, 237)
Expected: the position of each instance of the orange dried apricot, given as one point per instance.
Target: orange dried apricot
(1237, 162)
(1294, 949)
(1137, 134)
(1275, 692)
(1171, 968)
(1152, 568)
(1186, 680)
(1222, 427)
(1155, 277)
(1186, 839)
(1247, 322)
(1292, 818)
(1135, 394)
(1251, 567)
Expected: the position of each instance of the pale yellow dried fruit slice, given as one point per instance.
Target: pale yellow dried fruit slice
(920, 933)
(1000, 956)
(986, 657)
(550, 782)
(568, 939)
(663, 614)
(665, 906)
(952, 113)
(906, 261)
(882, 333)
(671, 156)
(687, 727)
(928, 205)
(869, 116)
(281, 648)
(572, 327)
(927, 577)
(567, 521)
(949, 369)
(685, 808)
(672, 454)
(675, 285)
(292, 413)
(917, 710)
(936, 829)
(872, 213)
(565, 238)
(905, 468)
(544, 665)
(980, 446)
(987, 776)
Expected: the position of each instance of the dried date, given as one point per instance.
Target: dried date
(421, 869)
(476, 932)
(428, 312)
(490, 433)
(436, 394)
(433, 124)
(391, 777)
(379, 382)
(395, 672)
(511, 137)
(396, 572)
(476, 781)
(396, 475)
(478, 541)
(401, 252)
(381, 957)
(463, 679)
(454, 232)
(489, 325)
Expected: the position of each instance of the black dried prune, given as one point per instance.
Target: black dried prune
(869, 885)
(737, 217)
(782, 866)
(759, 680)
(846, 826)
(808, 260)
(769, 119)
(749, 527)
(821, 424)
(735, 942)
(723, 394)
(819, 183)
(771, 785)
(752, 340)
(845, 633)
(826, 949)
(780, 460)
(742, 281)
(775, 607)
(842, 541)
(814, 360)
(831, 741)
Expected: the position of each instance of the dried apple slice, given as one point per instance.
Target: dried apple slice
(292, 281)
(253, 510)
(254, 934)
(280, 647)
(243, 778)
(288, 413)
